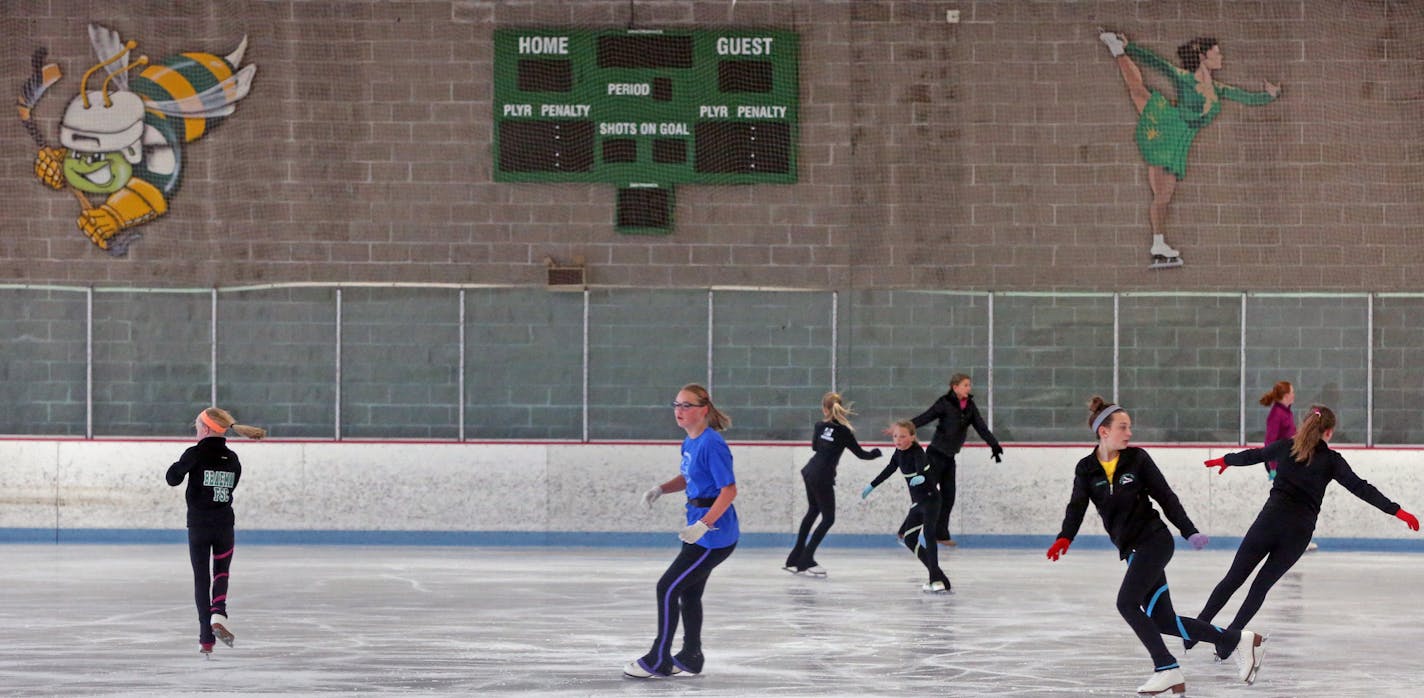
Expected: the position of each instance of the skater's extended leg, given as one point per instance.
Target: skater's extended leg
(223, 547)
(823, 489)
(793, 560)
(1253, 549)
(1164, 185)
(200, 551)
(1281, 559)
(1145, 575)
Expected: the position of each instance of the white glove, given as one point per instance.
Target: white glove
(693, 533)
(652, 496)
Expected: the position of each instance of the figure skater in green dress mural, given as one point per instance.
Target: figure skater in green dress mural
(1165, 129)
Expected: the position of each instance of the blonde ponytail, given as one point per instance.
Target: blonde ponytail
(838, 410)
(218, 417)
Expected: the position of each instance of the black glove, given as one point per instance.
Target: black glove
(997, 454)
(874, 453)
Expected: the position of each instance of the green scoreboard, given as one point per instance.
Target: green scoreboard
(645, 110)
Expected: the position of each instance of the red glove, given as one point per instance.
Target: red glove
(1217, 463)
(1060, 547)
(1407, 518)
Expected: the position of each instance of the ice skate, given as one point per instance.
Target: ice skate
(205, 648)
(687, 664)
(816, 571)
(221, 629)
(1113, 40)
(934, 588)
(793, 569)
(1163, 256)
(635, 670)
(1165, 681)
(948, 542)
(1249, 653)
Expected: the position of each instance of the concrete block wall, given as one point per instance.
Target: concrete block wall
(993, 153)
(579, 494)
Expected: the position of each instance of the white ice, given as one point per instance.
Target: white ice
(78, 620)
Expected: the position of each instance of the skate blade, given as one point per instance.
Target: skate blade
(223, 634)
(1177, 690)
(1165, 263)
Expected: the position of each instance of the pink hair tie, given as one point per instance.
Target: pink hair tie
(1315, 412)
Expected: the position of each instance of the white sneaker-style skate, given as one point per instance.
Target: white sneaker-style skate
(222, 629)
(1163, 256)
(1249, 653)
(816, 571)
(1165, 681)
(635, 670)
(933, 588)
(1114, 41)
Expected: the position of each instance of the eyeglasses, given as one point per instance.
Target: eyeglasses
(687, 405)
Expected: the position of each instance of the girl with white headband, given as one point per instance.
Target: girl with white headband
(212, 470)
(1122, 481)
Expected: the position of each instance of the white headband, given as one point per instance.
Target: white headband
(1103, 416)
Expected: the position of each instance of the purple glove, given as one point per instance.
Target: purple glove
(1198, 540)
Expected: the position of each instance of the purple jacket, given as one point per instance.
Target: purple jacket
(1280, 424)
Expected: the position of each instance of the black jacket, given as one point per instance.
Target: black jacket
(829, 441)
(1299, 487)
(212, 471)
(1124, 503)
(910, 462)
(953, 424)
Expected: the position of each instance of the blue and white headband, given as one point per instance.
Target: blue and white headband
(1103, 416)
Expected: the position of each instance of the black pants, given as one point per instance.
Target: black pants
(942, 464)
(680, 593)
(210, 586)
(923, 515)
(1146, 605)
(820, 502)
(1279, 539)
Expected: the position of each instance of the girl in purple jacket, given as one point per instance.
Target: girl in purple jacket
(1280, 423)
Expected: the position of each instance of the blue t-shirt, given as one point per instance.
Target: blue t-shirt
(707, 468)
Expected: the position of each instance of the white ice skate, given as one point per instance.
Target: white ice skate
(1165, 681)
(1249, 653)
(1114, 41)
(222, 629)
(933, 588)
(635, 670)
(1163, 256)
(816, 571)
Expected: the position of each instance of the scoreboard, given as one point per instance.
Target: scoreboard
(645, 110)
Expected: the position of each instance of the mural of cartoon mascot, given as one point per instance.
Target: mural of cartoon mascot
(124, 141)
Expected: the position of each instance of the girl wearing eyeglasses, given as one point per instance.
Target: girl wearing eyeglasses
(708, 539)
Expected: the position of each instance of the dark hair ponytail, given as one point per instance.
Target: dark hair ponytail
(1191, 52)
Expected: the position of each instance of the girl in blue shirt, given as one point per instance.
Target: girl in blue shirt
(709, 537)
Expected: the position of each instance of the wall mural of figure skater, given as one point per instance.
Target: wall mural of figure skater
(1166, 128)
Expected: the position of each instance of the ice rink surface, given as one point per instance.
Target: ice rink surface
(111, 620)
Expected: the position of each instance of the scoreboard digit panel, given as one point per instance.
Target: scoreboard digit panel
(711, 106)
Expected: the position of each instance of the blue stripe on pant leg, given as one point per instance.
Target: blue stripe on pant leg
(667, 607)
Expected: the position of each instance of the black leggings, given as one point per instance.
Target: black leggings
(1278, 539)
(210, 587)
(1146, 605)
(943, 465)
(680, 591)
(922, 515)
(820, 502)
